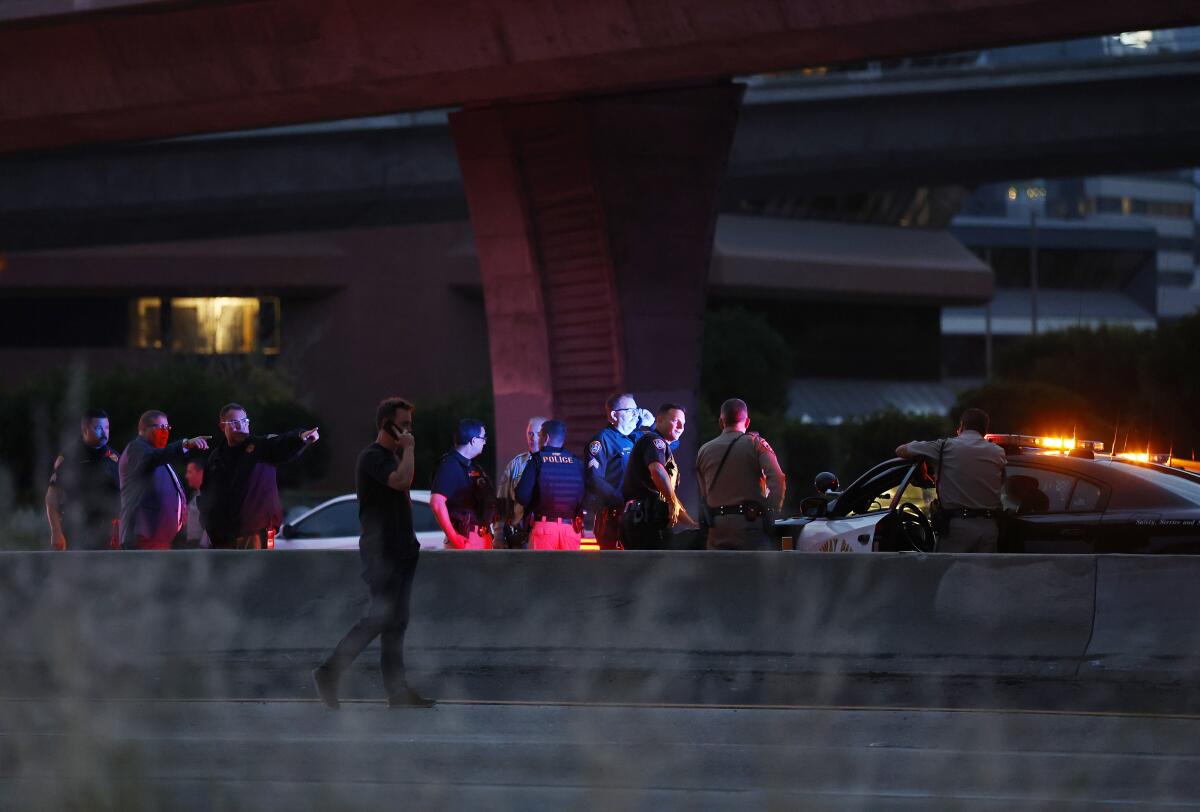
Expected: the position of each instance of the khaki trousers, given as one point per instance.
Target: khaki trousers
(970, 536)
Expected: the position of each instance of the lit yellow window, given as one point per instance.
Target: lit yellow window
(211, 325)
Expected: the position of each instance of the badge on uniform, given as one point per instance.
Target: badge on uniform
(660, 444)
(250, 448)
(112, 455)
(595, 448)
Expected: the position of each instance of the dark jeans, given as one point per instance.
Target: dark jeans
(607, 527)
(386, 618)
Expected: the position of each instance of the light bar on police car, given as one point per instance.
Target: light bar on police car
(1047, 443)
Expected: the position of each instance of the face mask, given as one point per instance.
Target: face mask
(158, 437)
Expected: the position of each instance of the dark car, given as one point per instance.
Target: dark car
(1052, 504)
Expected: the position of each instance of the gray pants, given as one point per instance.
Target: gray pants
(733, 532)
(970, 536)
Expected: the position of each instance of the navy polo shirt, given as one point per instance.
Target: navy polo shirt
(463, 483)
(552, 485)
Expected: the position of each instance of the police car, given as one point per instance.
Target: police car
(334, 525)
(1059, 496)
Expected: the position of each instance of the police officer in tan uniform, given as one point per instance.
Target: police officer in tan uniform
(740, 482)
(969, 483)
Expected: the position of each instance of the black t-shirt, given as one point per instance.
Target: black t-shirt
(650, 448)
(385, 513)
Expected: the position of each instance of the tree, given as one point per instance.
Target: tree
(744, 357)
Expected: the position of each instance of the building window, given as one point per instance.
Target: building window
(209, 325)
(1154, 208)
(146, 323)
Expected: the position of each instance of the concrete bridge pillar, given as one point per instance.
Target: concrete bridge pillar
(593, 222)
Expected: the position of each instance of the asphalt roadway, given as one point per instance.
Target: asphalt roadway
(233, 755)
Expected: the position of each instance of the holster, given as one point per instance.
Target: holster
(939, 519)
(652, 512)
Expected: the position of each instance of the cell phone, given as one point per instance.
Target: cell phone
(394, 430)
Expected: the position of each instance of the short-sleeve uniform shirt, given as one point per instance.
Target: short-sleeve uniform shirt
(972, 470)
(466, 487)
(650, 448)
(89, 479)
(385, 514)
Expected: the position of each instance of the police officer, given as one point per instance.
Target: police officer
(652, 507)
(463, 498)
(605, 458)
(969, 481)
(741, 483)
(551, 490)
(514, 530)
(239, 498)
(83, 498)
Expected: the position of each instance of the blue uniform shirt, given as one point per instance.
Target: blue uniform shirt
(552, 485)
(605, 457)
(470, 497)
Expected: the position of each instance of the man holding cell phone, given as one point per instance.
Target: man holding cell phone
(389, 550)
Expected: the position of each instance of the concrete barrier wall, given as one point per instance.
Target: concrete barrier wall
(1147, 619)
(676, 626)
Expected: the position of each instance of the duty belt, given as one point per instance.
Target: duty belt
(750, 509)
(972, 513)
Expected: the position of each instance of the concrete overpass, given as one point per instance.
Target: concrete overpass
(80, 73)
(810, 137)
(591, 146)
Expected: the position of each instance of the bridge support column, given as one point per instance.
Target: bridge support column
(593, 222)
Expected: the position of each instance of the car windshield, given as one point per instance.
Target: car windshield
(1180, 485)
(875, 491)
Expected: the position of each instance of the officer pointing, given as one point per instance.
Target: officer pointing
(741, 483)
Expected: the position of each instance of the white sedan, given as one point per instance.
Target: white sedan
(334, 525)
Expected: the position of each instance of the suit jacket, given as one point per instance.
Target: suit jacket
(152, 499)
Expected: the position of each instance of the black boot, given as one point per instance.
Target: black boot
(327, 685)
